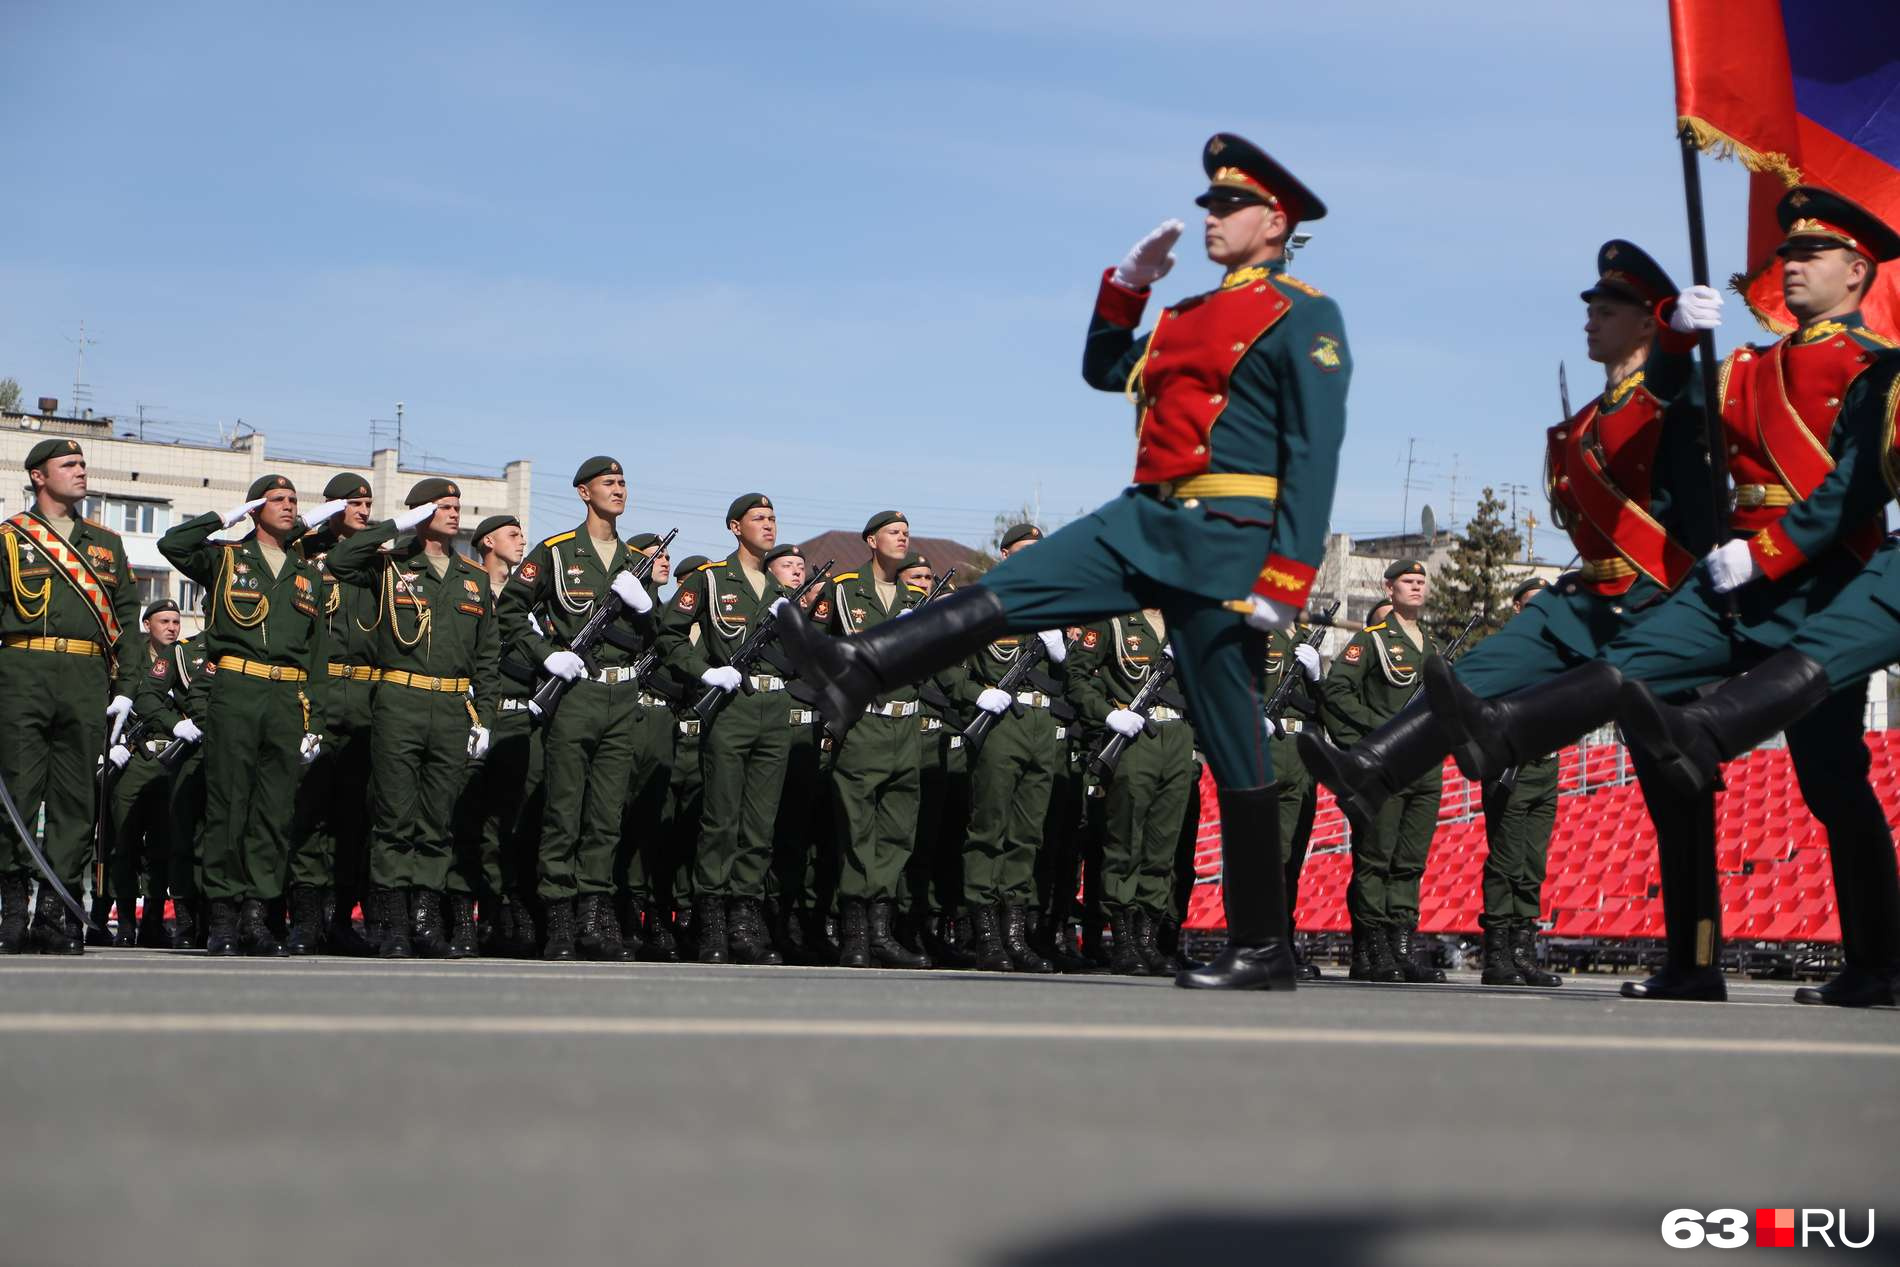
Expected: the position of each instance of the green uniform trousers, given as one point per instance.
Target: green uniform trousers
(1298, 796)
(187, 826)
(52, 730)
(330, 839)
(874, 783)
(1388, 859)
(689, 803)
(933, 879)
(804, 873)
(498, 845)
(742, 754)
(646, 821)
(254, 728)
(587, 759)
(1144, 803)
(1058, 863)
(419, 752)
(141, 830)
(1188, 846)
(1518, 821)
(1011, 778)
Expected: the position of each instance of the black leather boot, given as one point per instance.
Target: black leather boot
(1850, 987)
(815, 942)
(1063, 950)
(746, 937)
(1687, 743)
(339, 927)
(98, 930)
(558, 914)
(1406, 949)
(854, 933)
(1308, 970)
(1691, 893)
(391, 924)
(1488, 737)
(526, 943)
(1169, 941)
(986, 939)
(126, 935)
(944, 939)
(587, 925)
(659, 946)
(598, 937)
(1253, 890)
(1360, 968)
(152, 934)
(709, 926)
(847, 673)
(188, 926)
(254, 935)
(1022, 956)
(49, 935)
(886, 950)
(1524, 956)
(221, 937)
(1381, 964)
(15, 912)
(1149, 947)
(306, 919)
(1125, 958)
(464, 942)
(428, 931)
(1394, 756)
(1500, 968)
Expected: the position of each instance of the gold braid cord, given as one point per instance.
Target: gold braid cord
(21, 595)
(424, 616)
(227, 574)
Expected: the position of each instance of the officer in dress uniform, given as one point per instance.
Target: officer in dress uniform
(1222, 531)
(141, 800)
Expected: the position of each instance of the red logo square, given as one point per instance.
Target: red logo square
(1774, 1228)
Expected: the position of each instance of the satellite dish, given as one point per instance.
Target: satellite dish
(1428, 525)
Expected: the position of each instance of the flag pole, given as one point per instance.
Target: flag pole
(1705, 340)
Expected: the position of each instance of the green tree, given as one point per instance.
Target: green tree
(9, 395)
(1478, 575)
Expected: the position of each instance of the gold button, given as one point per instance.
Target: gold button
(59, 644)
(1563, 435)
(1833, 402)
(1563, 481)
(276, 673)
(1734, 448)
(1192, 502)
(1215, 399)
(1200, 448)
(1743, 357)
(1240, 347)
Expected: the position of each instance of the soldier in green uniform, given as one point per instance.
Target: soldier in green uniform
(640, 864)
(1241, 396)
(438, 658)
(1294, 786)
(268, 651)
(1148, 792)
(933, 879)
(172, 696)
(744, 748)
(1059, 861)
(329, 855)
(688, 793)
(1520, 813)
(589, 742)
(874, 771)
(1376, 675)
(141, 800)
(802, 883)
(69, 662)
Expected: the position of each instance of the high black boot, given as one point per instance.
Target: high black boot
(526, 943)
(1686, 744)
(339, 927)
(221, 935)
(1691, 893)
(15, 912)
(428, 931)
(188, 926)
(50, 934)
(1394, 756)
(152, 934)
(1149, 947)
(986, 941)
(391, 924)
(709, 925)
(1500, 968)
(558, 913)
(886, 950)
(943, 940)
(254, 935)
(1360, 968)
(464, 943)
(847, 673)
(1524, 956)
(1125, 958)
(598, 937)
(98, 932)
(1381, 964)
(1308, 970)
(1168, 940)
(1253, 890)
(815, 942)
(659, 946)
(1405, 950)
(746, 937)
(126, 935)
(854, 933)
(1488, 737)
(306, 919)
(1059, 936)
(1850, 987)
(1022, 956)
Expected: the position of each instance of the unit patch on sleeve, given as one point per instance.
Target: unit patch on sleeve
(1325, 353)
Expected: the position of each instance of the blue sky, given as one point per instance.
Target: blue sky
(841, 252)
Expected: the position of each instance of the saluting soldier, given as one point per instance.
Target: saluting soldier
(268, 651)
(1294, 785)
(1240, 396)
(589, 742)
(172, 695)
(744, 749)
(141, 799)
(642, 870)
(438, 654)
(1375, 676)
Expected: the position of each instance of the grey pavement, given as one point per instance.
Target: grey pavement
(162, 1108)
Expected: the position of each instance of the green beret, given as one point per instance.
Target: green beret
(1020, 532)
(593, 468)
(433, 489)
(913, 560)
(883, 519)
(1404, 567)
(345, 487)
(745, 502)
(641, 540)
(489, 525)
(691, 563)
(264, 485)
(1529, 587)
(46, 450)
(786, 551)
(162, 605)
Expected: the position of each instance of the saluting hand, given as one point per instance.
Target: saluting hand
(236, 513)
(322, 514)
(1149, 260)
(415, 515)
(1697, 308)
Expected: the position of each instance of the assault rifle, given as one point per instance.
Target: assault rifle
(109, 776)
(1448, 655)
(1027, 659)
(943, 583)
(548, 697)
(1109, 755)
(1290, 676)
(763, 635)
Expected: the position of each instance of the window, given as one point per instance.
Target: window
(191, 598)
(153, 585)
(128, 515)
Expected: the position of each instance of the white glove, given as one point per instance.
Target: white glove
(1269, 615)
(118, 755)
(1697, 308)
(236, 513)
(311, 748)
(565, 664)
(477, 742)
(994, 701)
(723, 676)
(1149, 260)
(628, 589)
(329, 510)
(415, 515)
(1055, 644)
(1125, 721)
(1308, 656)
(119, 707)
(1731, 566)
(187, 730)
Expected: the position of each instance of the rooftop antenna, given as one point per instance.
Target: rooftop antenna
(1411, 461)
(82, 390)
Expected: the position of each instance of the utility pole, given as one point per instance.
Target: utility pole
(142, 408)
(82, 390)
(1451, 511)
(1411, 462)
(1514, 490)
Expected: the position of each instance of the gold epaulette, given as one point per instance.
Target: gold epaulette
(842, 577)
(96, 524)
(707, 567)
(916, 589)
(1876, 338)
(555, 541)
(1287, 279)
(1373, 628)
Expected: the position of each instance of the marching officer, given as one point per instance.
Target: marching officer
(1241, 401)
(141, 799)
(1294, 786)
(268, 652)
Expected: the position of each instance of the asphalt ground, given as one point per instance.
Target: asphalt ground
(162, 1108)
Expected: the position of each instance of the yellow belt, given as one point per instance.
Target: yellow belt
(1749, 496)
(355, 672)
(423, 682)
(254, 668)
(1606, 569)
(70, 646)
(1221, 486)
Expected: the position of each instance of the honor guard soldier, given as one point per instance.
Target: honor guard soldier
(802, 884)
(1294, 786)
(69, 659)
(141, 797)
(437, 655)
(744, 749)
(1241, 407)
(643, 867)
(171, 696)
(688, 792)
(589, 742)
(264, 716)
(933, 879)
(1628, 479)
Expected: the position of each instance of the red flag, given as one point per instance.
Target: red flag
(1801, 93)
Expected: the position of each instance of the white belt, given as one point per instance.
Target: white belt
(932, 724)
(509, 705)
(689, 726)
(956, 741)
(1291, 725)
(802, 716)
(1035, 699)
(896, 708)
(764, 682)
(651, 701)
(1161, 712)
(156, 746)
(614, 675)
